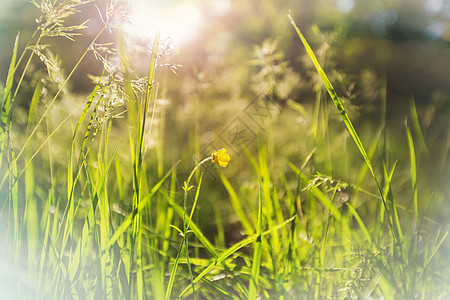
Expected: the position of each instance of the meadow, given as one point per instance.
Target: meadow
(238, 174)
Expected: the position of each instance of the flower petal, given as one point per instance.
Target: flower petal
(220, 157)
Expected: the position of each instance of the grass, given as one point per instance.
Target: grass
(108, 218)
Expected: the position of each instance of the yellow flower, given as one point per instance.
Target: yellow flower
(221, 157)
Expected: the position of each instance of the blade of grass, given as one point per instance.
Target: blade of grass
(169, 212)
(127, 222)
(136, 241)
(268, 207)
(70, 179)
(45, 258)
(197, 194)
(256, 264)
(31, 214)
(236, 203)
(14, 204)
(203, 240)
(186, 224)
(104, 204)
(192, 225)
(90, 220)
(150, 85)
(412, 255)
(436, 248)
(412, 156)
(173, 273)
(318, 194)
(69, 212)
(232, 250)
(6, 102)
(5, 147)
(417, 128)
(338, 104)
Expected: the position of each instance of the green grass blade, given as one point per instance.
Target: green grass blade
(45, 258)
(417, 128)
(436, 248)
(412, 156)
(136, 239)
(318, 194)
(90, 220)
(361, 224)
(75, 261)
(236, 203)
(6, 102)
(33, 106)
(337, 103)
(200, 236)
(150, 85)
(127, 222)
(173, 273)
(233, 249)
(414, 241)
(31, 220)
(192, 225)
(363, 169)
(391, 210)
(197, 194)
(256, 264)
(70, 180)
(14, 203)
(69, 212)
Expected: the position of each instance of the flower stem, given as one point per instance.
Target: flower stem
(185, 224)
(195, 169)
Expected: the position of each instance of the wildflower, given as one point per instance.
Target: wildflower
(221, 157)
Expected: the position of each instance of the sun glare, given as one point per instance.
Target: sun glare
(178, 20)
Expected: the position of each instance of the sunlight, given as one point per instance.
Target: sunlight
(178, 20)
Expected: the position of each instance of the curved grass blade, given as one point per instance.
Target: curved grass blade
(417, 128)
(232, 250)
(337, 103)
(236, 203)
(202, 239)
(127, 222)
(345, 118)
(6, 103)
(70, 179)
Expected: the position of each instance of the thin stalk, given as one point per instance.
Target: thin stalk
(187, 187)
